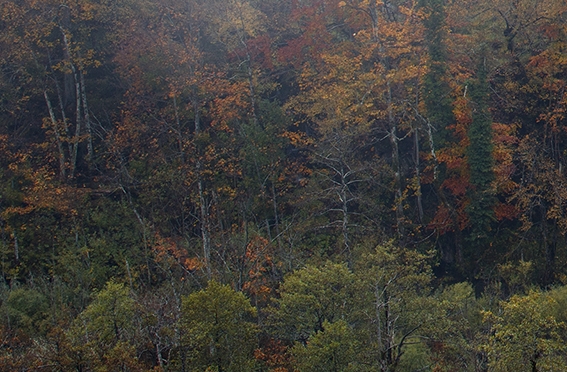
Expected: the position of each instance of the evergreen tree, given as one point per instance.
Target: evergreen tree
(481, 162)
(436, 90)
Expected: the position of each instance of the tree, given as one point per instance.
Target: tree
(24, 309)
(381, 306)
(393, 307)
(331, 349)
(103, 334)
(219, 330)
(309, 297)
(481, 163)
(359, 98)
(526, 334)
(436, 89)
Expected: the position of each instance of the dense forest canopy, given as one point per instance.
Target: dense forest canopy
(299, 185)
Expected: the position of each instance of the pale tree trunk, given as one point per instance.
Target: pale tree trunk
(78, 104)
(63, 116)
(57, 136)
(417, 160)
(418, 177)
(78, 119)
(394, 142)
(81, 109)
(205, 225)
(203, 203)
(65, 135)
(178, 129)
(90, 151)
(345, 222)
(16, 247)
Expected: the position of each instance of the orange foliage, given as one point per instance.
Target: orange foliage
(506, 211)
(447, 220)
(275, 356)
(169, 251)
(505, 143)
(259, 263)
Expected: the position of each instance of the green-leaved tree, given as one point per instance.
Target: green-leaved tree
(218, 330)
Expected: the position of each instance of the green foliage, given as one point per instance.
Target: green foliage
(25, 309)
(526, 334)
(559, 296)
(110, 316)
(311, 296)
(219, 333)
(417, 357)
(331, 349)
(392, 305)
(455, 333)
(106, 329)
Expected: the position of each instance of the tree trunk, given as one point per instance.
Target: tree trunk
(77, 137)
(203, 204)
(57, 136)
(87, 118)
(394, 142)
(418, 177)
(78, 104)
(64, 117)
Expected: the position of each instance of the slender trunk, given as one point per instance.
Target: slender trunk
(57, 136)
(64, 117)
(178, 128)
(373, 12)
(78, 104)
(394, 141)
(432, 151)
(379, 319)
(144, 236)
(205, 225)
(344, 199)
(203, 204)
(87, 118)
(158, 354)
(418, 177)
(390, 332)
(129, 274)
(183, 357)
(62, 109)
(549, 241)
(16, 247)
(276, 215)
(77, 137)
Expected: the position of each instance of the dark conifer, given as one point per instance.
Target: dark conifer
(480, 160)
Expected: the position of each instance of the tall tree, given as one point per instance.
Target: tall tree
(481, 162)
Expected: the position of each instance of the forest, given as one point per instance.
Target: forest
(283, 185)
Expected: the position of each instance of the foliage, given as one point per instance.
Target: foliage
(309, 297)
(331, 349)
(218, 330)
(372, 174)
(526, 334)
(25, 309)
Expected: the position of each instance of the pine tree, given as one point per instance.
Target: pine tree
(436, 90)
(480, 161)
